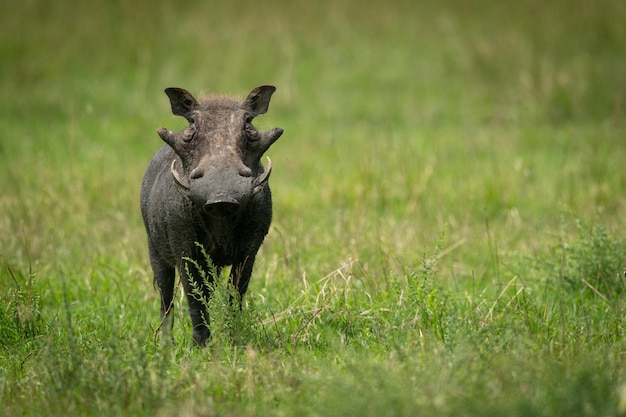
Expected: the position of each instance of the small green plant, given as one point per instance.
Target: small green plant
(427, 300)
(593, 265)
(20, 309)
(229, 322)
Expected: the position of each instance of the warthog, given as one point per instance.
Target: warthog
(207, 187)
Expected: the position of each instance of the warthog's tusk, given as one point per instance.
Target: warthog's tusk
(183, 183)
(264, 177)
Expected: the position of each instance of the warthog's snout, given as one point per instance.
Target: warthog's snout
(222, 208)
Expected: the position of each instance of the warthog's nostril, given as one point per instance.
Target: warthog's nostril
(222, 208)
(245, 172)
(196, 173)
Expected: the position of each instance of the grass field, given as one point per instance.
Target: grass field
(449, 209)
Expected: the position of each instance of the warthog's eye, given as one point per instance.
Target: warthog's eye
(249, 130)
(190, 131)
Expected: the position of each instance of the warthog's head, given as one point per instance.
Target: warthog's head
(220, 150)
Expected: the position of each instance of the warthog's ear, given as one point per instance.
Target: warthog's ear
(258, 100)
(181, 100)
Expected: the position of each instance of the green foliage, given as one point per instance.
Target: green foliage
(229, 323)
(20, 307)
(594, 264)
(429, 302)
(449, 200)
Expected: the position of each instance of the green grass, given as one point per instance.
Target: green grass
(449, 208)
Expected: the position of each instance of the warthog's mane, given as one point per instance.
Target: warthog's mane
(219, 101)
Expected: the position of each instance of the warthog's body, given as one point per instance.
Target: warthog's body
(207, 186)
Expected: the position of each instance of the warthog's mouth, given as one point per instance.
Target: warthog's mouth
(222, 208)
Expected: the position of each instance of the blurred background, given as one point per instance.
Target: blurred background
(401, 118)
(449, 207)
